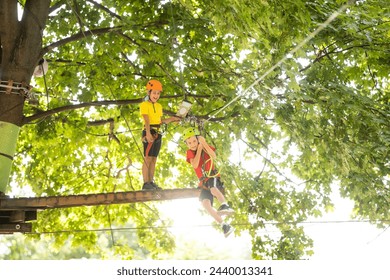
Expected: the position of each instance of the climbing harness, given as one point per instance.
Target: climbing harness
(211, 174)
(208, 168)
(156, 133)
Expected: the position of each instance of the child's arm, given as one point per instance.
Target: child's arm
(195, 161)
(149, 136)
(206, 147)
(170, 119)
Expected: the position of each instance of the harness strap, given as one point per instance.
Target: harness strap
(150, 144)
(217, 184)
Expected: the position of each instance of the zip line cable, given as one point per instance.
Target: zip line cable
(379, 235)
(322, 26)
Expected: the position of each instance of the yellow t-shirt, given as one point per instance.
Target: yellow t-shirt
(153, 110)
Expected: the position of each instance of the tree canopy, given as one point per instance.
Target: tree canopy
(320, 118)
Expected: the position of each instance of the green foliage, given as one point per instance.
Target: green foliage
(320, 118)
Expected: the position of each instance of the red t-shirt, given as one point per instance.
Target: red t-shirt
(204, 158)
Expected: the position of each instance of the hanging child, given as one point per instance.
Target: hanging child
(151, 112)
(201, 156)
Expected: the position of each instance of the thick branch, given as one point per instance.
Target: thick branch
(54, 111)
(45, 114)
(101, 122)
(79, 36)
(56, 6)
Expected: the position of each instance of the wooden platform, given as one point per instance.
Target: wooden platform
(15, 212)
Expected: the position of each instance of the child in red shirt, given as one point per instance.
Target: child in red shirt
(201, 155)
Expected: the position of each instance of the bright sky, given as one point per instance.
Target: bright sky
(347, 240)
(333, 234)
(332, 240)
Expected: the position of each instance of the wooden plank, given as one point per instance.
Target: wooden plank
(10, 228)
(17, 216)
(29, 203)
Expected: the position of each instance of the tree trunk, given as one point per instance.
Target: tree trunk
(21, 45)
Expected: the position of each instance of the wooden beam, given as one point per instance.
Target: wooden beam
(10, 228)
(15, 216)
(50, 202)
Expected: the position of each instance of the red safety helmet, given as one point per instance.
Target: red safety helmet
(154, 84)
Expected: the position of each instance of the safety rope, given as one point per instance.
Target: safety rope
(212, 172)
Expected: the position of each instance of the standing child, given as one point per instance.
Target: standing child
(151, 112)
(201, 156)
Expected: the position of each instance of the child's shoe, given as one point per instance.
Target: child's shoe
(227, 229)
(156, 187)
(148, 186)
(225, 209)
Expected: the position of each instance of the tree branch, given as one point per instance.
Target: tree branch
(48, 113)
(250, 146)
(45, 114)
(57, 6)
(76, 12)
(325, 53)
(79, 36)
(101, 7)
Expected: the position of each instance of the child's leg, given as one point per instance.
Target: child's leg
(224, 209)
(148, 168)
(210, 209)
(152, 168)
(217, 193)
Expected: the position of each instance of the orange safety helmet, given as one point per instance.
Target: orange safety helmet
(154, 84)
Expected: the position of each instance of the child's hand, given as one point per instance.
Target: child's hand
(201, 140)
(149, 137)
(176, 119)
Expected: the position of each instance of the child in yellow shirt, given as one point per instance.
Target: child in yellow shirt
(151, 112)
